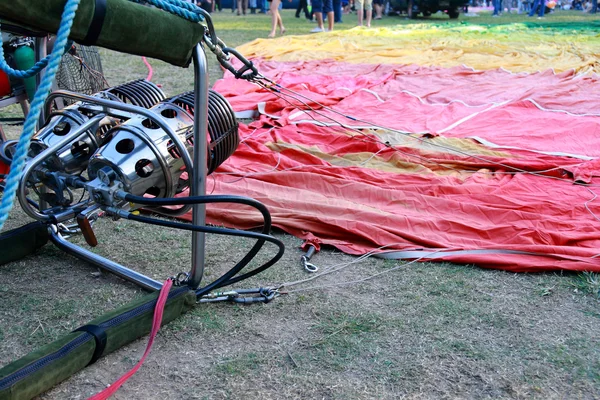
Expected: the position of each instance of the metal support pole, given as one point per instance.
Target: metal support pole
(198, 178)
(41, 52)
(101, 262)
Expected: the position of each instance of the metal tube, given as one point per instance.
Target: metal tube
(101, 262)
(198, 178)
(40, 44)
(22, 193)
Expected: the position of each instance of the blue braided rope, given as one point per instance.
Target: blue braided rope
(20, 157)
(180, 8)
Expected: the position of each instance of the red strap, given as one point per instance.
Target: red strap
(158, 313)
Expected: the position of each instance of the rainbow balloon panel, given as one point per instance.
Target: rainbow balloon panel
(514, 47)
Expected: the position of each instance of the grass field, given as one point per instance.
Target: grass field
(423, 331)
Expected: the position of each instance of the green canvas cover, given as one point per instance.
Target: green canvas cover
(18, 243)
(128, 27)
(61, 367)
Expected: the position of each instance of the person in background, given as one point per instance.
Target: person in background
(264, 6)
(538, 4)
(276, 20)
(303, 6)
(497, 7)
(378, 5)
(337, 11)
(368, 7)
(206, 5)
(346, 7)
(507, 5)
(320, 7)
(242, 6)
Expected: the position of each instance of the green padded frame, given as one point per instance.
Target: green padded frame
(128, 27)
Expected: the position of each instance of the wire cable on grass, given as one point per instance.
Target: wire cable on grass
(339, 267)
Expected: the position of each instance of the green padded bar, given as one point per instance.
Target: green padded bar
(23, 241)
(62, 358)
(128, 27)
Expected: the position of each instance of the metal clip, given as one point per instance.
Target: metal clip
(180, 279)
(67, 230)
(248, 71)
(309, 267)
(223, 53)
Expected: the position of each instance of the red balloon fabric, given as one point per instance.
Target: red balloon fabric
(479, 167)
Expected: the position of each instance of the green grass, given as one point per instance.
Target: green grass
(587, 283)
(243, 365)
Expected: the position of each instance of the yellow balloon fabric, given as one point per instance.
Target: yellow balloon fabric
(515, 47)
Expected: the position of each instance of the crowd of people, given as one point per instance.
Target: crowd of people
(541, 7)
(339, 7)
(330, 11)
(319, 11)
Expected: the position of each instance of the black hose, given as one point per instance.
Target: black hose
(227, 278)
(177, 201)
(220, 231)
(12, 120)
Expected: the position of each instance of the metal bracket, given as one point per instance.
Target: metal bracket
(241, 296)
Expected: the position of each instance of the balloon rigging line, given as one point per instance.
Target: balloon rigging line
(295, 96)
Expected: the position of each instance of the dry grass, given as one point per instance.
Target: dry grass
(425, 331)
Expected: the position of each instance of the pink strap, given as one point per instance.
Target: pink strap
(150, 70)
(158, 313)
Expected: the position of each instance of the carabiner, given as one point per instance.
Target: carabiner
(248, 71)
(309, 267)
